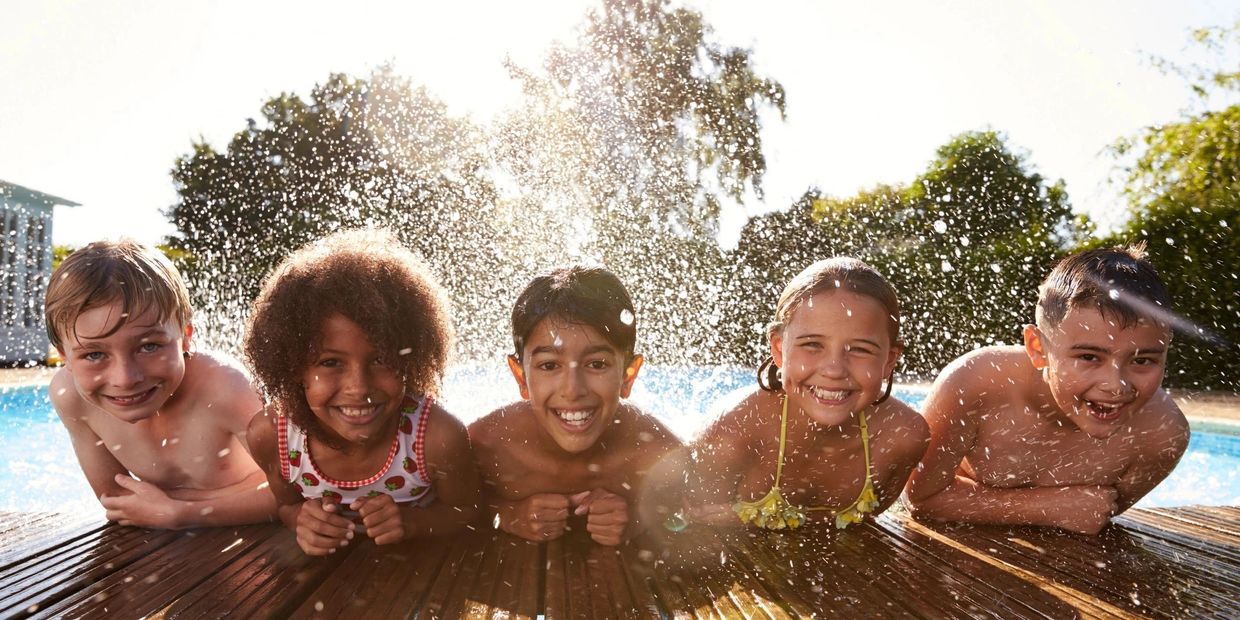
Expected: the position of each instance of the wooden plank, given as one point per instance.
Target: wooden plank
(269, 580)
(1192, 528)
(555, 582)
(516, 583)
(912, 566)
(26, 534)
(454, 581)
(388, 581)
(1127, 569)
(1021, 551)
(160, 574)
(75, 569)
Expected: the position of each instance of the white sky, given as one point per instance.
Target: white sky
(99, 98)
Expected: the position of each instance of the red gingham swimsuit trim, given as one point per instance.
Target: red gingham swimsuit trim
(419, 442)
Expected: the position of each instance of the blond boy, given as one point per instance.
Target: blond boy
(155, 427)
(1073, 428)
(572, 449)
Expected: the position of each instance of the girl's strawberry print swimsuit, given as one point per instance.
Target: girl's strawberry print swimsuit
(403, 476)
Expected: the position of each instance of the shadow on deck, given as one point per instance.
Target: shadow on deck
(1181, 562)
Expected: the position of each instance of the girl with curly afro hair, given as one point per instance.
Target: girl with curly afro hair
(348, 341)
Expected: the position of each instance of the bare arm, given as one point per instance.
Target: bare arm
(98, 464)
(904, 438)
(319, 530)
(721, 455)
(661, 489)
(1161, 448)
(938, 490)
(454, 475)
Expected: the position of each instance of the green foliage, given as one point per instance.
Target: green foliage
(357, 152)
(1184, 191)
(60, 253)
(1182, 182)
(965, 244)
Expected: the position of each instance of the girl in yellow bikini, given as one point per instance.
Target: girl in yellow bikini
(819, 439)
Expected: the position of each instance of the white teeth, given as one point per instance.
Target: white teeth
(828, 394)
(357, 412)
(1103, 411)
(575, 417)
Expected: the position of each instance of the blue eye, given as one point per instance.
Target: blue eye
(93, 356)
(150, 347)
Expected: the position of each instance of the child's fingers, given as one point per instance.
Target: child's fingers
(126, 482)
(549, 515)
(315, 545)
(581, 501)
(390, 530)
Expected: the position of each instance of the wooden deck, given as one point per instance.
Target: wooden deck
(1153, 563)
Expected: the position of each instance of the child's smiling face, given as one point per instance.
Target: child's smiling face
(133, 372)
(1099, 373)
(349, 387)
(834, 354)
(574, 379)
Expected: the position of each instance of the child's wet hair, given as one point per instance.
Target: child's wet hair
(140, 277)
(841, 272)
(1118, 281)
(590, 296)
(366, 276)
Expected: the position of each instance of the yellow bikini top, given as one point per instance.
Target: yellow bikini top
(773, 512)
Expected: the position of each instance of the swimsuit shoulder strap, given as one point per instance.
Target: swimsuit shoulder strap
(783, 436)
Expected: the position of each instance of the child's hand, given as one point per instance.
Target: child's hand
(381, 516)
(607, 515)
(539, 517)
(145, 505)
(320, 530)
(1089, 510)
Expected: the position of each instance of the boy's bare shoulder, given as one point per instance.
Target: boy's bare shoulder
(497, 427)
(218, 384)
(1160, 417)
(651, 429)
(982, 376)
(216, 368)
(64, 396)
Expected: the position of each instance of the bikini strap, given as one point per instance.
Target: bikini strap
(783, 434)
(865, 447)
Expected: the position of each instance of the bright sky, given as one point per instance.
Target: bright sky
(99, 98)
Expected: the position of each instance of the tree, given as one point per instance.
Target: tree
(965, 245)
(982, 231)
(639, 132)
(359, 152)
(1182, 182)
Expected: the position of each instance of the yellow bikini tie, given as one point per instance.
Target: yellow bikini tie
(773, 512)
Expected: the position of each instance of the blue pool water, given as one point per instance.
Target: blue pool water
(38, 471)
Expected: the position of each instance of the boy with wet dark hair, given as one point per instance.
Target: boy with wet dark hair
(572, 447)
(158, 430)
(1070, 430)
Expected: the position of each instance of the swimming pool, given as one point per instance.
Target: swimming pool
(38, 471)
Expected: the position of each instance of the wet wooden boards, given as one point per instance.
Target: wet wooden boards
(1159, 563)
